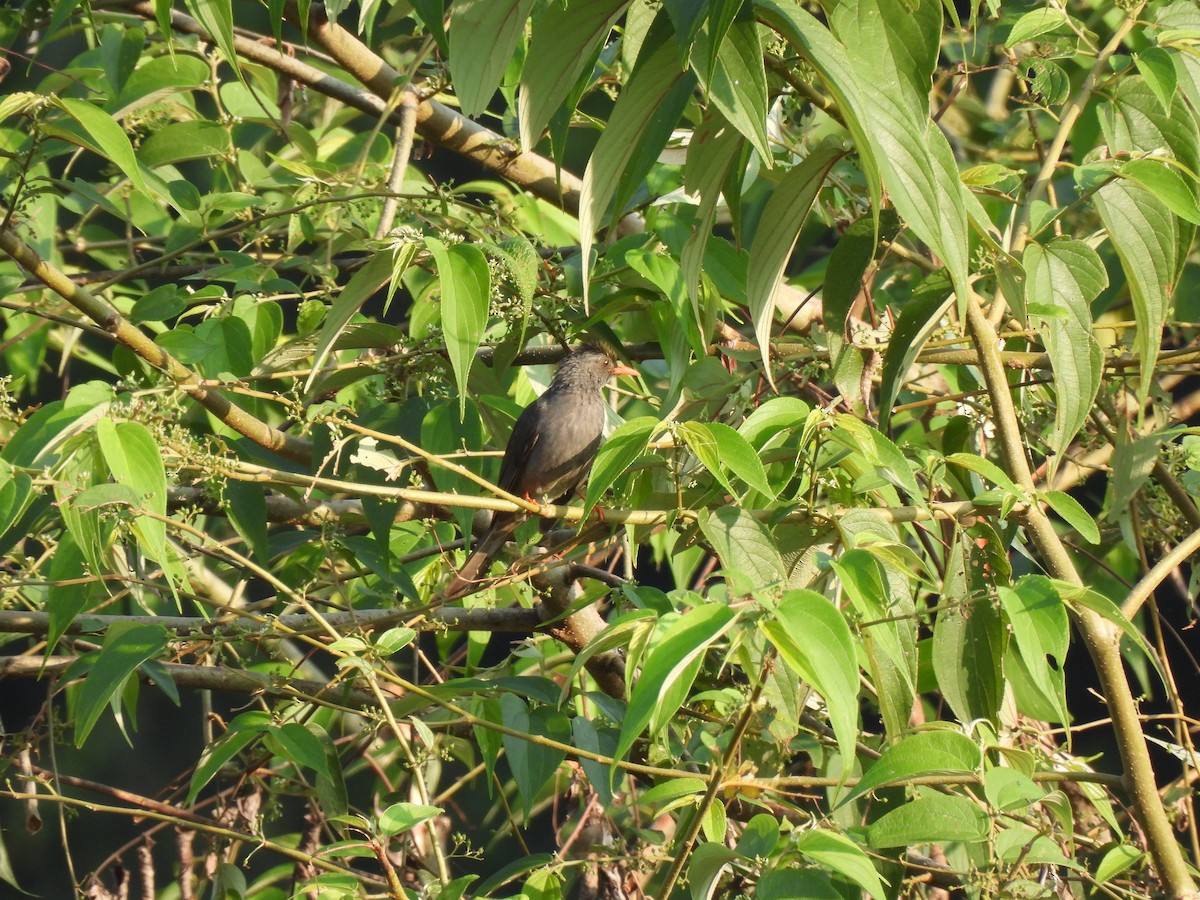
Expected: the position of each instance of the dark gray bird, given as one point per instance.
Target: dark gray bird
(550, 451)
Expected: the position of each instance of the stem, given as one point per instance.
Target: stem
(1101, 637)
(115, 325)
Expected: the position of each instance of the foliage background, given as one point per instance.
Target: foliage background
(905, 483)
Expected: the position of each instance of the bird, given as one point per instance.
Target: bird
(550, 451)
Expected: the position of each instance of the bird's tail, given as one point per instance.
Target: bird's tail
(469, 576)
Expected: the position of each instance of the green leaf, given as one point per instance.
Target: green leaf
(760, 837)
(896, 43)
(740, 458)
(637, 130)
(362, 286)
(617, 454)
(466, 289)
(669, 670)
(919, 318)
(934, 752)
(401, 817)
(778, 414)
(933, 819)
(1074, 515)
(1036, 23)
(889, 640)
(246, 507)
(126, 646)
(840, 854)
(216, 18)
(133, 458)
(737, 83)
(815, 642)
(104, 137)
(1041, 635)
(714, 148)
(705, 866)
(563, 42)
(985, 468)
(744, 545)
(1158, 69)
(775, 239)
(298, 745)
(1067, 275)
(532, 764)
(483, 35)
(969, 640)
(243, 731)
(180, 141)
(1162, 180)
(1008, 790)
(1116, 861)
(69, 592)
(1144, 234)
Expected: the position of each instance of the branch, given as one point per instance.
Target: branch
(1102, 637)
(114, 324)
(516, 620)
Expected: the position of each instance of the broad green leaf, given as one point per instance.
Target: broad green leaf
(105, 137)
(985, 468)
(1036, 23)
(532, 764)
(890, 644)
(401, 817)
(617, 454)
(1007, 789)
(177, 142)
(637, 130)
(775, 238)
(775, 415)
(215, 756)
(815, 642)
(1067, 275)
(134, 460)
(969, 640)
(587, 736)
(760, 837)
(1116, 861)
(933, 752)
(483, 35)
(466, 289)
(1162, 180)
(669, 670)
(896, 43)
(933, 819)
(1074, 515)
(216, 17)
(699, 440)
(246, 507)
(70, 592)
(737, 83)
(713, 149)
(818, 47)
(1041, 635)
(299, 746)
(919, 318)
(358, 290)
(562, 43)
(1132, 462)
(126, 646)
(705, 866)
(744, 545)
(740, 458)
(837, 852)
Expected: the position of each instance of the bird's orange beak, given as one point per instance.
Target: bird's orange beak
(619, 369)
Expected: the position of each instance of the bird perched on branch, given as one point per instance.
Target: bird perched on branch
(550, 451)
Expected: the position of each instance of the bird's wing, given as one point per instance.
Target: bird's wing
(525, 437)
